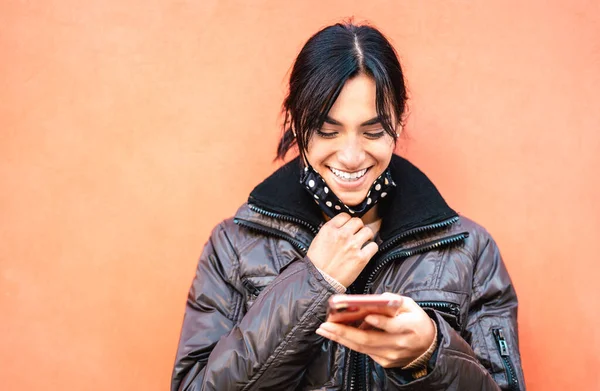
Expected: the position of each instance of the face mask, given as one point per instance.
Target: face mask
(331, 205)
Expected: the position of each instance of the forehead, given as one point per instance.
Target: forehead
(356, 102)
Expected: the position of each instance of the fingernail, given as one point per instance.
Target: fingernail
(328, 327)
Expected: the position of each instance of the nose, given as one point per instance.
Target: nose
(351, 153)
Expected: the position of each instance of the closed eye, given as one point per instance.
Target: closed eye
(375, 135)
(326, 134)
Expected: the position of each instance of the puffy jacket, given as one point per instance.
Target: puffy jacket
(257, 300)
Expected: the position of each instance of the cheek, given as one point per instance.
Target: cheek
(317, 153)
(382, 152)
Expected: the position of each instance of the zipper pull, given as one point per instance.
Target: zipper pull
(251, 287)
(455, 310)
(501, 342)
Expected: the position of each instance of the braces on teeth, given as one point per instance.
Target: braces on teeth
(348, 176)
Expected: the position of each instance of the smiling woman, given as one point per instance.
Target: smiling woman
(351, 150)
(348, 215)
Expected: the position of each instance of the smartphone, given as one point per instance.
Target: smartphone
(352, 309)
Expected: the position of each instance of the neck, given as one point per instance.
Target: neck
(371, 219)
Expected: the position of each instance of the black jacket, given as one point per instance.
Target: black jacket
(256, 300)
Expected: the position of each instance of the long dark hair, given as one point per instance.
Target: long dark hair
(329, 58)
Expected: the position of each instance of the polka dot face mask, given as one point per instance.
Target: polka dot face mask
(331, 205)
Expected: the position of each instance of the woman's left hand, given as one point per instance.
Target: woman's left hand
(395, 342)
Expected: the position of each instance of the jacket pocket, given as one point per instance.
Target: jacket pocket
(504, 350)
(254, 286)
(449, 311)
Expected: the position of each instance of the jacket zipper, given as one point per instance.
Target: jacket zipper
(283, 217)
(442, 306)
(358, 377)
(359, 360)
(450, 308)
(253, 291)
(420, 249)
(425, 228)
(511, 376)
(250, 287)
(445, 308)
(272, 232)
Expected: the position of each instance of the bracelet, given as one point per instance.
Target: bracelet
(420, 363)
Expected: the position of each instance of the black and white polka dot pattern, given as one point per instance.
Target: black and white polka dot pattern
(331, 204)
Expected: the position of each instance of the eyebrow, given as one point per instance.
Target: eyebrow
(372, 121)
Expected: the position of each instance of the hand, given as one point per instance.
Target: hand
(338, 248)
(396, 342)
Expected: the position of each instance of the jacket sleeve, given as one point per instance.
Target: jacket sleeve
(489, 358)
(268, 347)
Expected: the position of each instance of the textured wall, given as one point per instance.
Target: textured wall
(129, 128)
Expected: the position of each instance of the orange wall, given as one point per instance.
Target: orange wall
(129, 128)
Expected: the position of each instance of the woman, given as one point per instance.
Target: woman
(348, 216)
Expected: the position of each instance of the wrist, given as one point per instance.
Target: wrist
(419, 365)
(338, 286)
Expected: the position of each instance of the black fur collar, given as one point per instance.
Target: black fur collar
(415, 202)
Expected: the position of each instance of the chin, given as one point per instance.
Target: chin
(353, 200)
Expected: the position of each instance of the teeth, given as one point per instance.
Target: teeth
(348, 176)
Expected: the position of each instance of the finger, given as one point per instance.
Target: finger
(392, 325)
(353, 225)
(380, 342)
(369, 250)
(406, 303)
(339, 339)
(339, 220)
(364, 235)
(355, 336)
(381, 346)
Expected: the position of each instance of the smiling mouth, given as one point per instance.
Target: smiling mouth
(348, 176)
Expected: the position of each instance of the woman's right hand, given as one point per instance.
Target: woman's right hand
(338, 248)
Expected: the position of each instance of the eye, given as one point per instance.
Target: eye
(327, 133)
(375, 135)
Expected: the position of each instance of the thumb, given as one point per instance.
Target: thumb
(406, 303)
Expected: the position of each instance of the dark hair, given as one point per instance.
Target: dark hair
(329, 58)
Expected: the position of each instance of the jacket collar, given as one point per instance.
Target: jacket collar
(415, 202)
